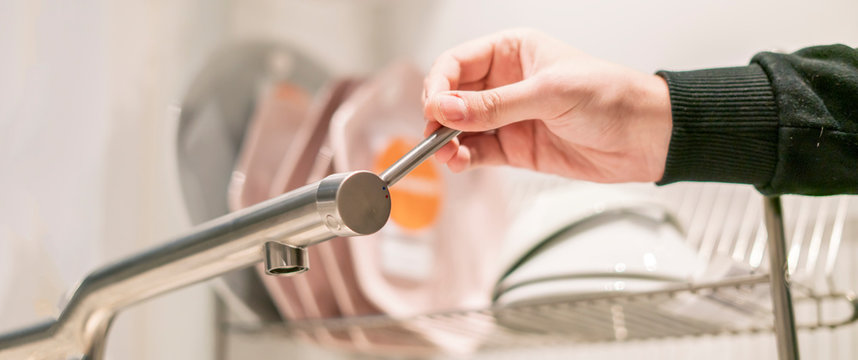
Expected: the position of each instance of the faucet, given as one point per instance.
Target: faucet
(277, 232)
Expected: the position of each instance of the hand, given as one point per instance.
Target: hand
(527, 100)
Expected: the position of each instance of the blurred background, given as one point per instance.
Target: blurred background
(90, 92)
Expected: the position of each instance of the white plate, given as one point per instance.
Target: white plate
(602, 239)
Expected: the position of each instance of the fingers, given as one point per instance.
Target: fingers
(485, 149)
(494, 59)
(488, 109)
(472, 150)
(448, 151)
(460, 160)
(477, 150)
(468, 62)
(455, 95)
(473, 86)
(469, 150)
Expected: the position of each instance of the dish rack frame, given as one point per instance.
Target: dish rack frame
(807, 261)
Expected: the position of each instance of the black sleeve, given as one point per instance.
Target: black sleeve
(786, 123)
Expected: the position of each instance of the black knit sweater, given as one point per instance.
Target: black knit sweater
(786, 123)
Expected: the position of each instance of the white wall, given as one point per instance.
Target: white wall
(646, 35)
(86, 153)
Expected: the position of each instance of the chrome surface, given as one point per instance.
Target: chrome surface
(212, 121)
(418, 154)
(344, 204)
(284, 259)
(784, 317)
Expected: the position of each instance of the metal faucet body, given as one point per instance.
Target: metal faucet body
(275, 231)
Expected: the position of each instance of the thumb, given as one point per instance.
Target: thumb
(487, 109)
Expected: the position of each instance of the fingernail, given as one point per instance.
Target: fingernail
(452, 108)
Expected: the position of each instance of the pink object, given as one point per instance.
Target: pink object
(347, 277)
(310, 295)
(336, 262)
(439, 251)
(280, 110)
(283, 149)
(330, 289)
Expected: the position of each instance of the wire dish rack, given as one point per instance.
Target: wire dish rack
(614, 317)
(721, 222)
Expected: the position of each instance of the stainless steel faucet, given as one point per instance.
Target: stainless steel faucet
(277, 232)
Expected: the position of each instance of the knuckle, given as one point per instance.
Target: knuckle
(491, 106)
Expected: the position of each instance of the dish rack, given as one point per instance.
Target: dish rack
(721, 221)
(725, 221)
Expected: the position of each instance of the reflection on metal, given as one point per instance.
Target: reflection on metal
(784, 317)
(284, 259)
(346, 204)
(418, 154)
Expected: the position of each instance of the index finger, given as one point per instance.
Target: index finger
(468, 62)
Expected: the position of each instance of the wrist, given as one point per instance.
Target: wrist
(653, 126)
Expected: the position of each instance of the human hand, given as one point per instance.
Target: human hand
(527, 100)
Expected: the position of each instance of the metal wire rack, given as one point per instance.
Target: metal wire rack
(721, 221)
(615, 317)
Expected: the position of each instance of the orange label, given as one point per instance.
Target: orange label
(415, 201)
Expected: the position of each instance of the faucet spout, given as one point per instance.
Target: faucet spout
(281, 259)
